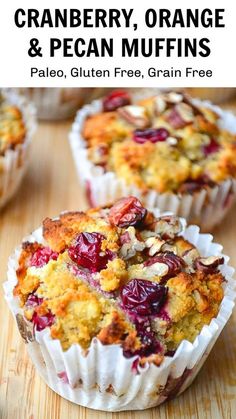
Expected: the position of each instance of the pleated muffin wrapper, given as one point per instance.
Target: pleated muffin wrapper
(206, 208)
(102, 378)
(13, 163)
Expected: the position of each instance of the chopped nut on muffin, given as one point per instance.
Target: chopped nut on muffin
(122, 275)
(164, 143)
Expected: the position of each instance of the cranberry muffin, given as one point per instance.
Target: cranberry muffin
(119, 279)
(17, 124)
(12, 127)
(120, 275)
(167, 147)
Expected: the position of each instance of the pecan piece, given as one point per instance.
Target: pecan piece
(180, 116)
(173, 262)
(160, 104)
(134, 115)
(190, 257)
(173, 97)
(130, 244)
(154, 244)
(155, 269)
(116, 99)
(167, 227)
(209, 264)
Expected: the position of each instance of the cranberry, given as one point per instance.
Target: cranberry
(127, 212)
(41, 322)
(211, 148)
(154, 135)
(191, 186)
(174, 262)
(150, 344)
(86, 252)
(42, 256)
(143, 297)
(33, 301)
(115, 100)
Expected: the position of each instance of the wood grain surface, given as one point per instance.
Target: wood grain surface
(49, 187)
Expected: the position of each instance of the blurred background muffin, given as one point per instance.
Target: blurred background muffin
(218, 95)
(60, 103)
(17, 126)
(172, 152)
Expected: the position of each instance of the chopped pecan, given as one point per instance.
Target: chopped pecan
(172, 141)
(135, 115)
(190, 256)
(155, 269)
(174, 263)
(154, 244)
(160, 104)
(173, 97)
(180, 116)
(167, 227)
(209, 264)
(131, 246)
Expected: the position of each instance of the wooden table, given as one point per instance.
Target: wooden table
(51, 186)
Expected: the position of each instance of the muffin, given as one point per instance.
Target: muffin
(17, 125)
(60, 103)
(217, 95)
(119, 306)
(173, 152)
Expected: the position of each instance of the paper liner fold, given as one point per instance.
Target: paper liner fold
(205, 208)
(103, 378)
(14, 162)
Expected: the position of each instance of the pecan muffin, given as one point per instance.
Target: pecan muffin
(165, 145)
(115, 282)
(17, 124)
(12, 127)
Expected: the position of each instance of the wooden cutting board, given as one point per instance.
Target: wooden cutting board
(50, 187)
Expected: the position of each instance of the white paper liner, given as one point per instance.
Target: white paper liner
(104, 379)
(14, 162)
(205, 208)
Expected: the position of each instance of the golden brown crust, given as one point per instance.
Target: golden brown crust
(12, 127)
(116, 332)
(85, 301)
(193, 301)
(60, 232)
(28, 249)
(186, 155)
(103, 128)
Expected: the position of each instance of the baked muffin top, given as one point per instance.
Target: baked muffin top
(164, 142)
(119, 274)
(12, 127)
